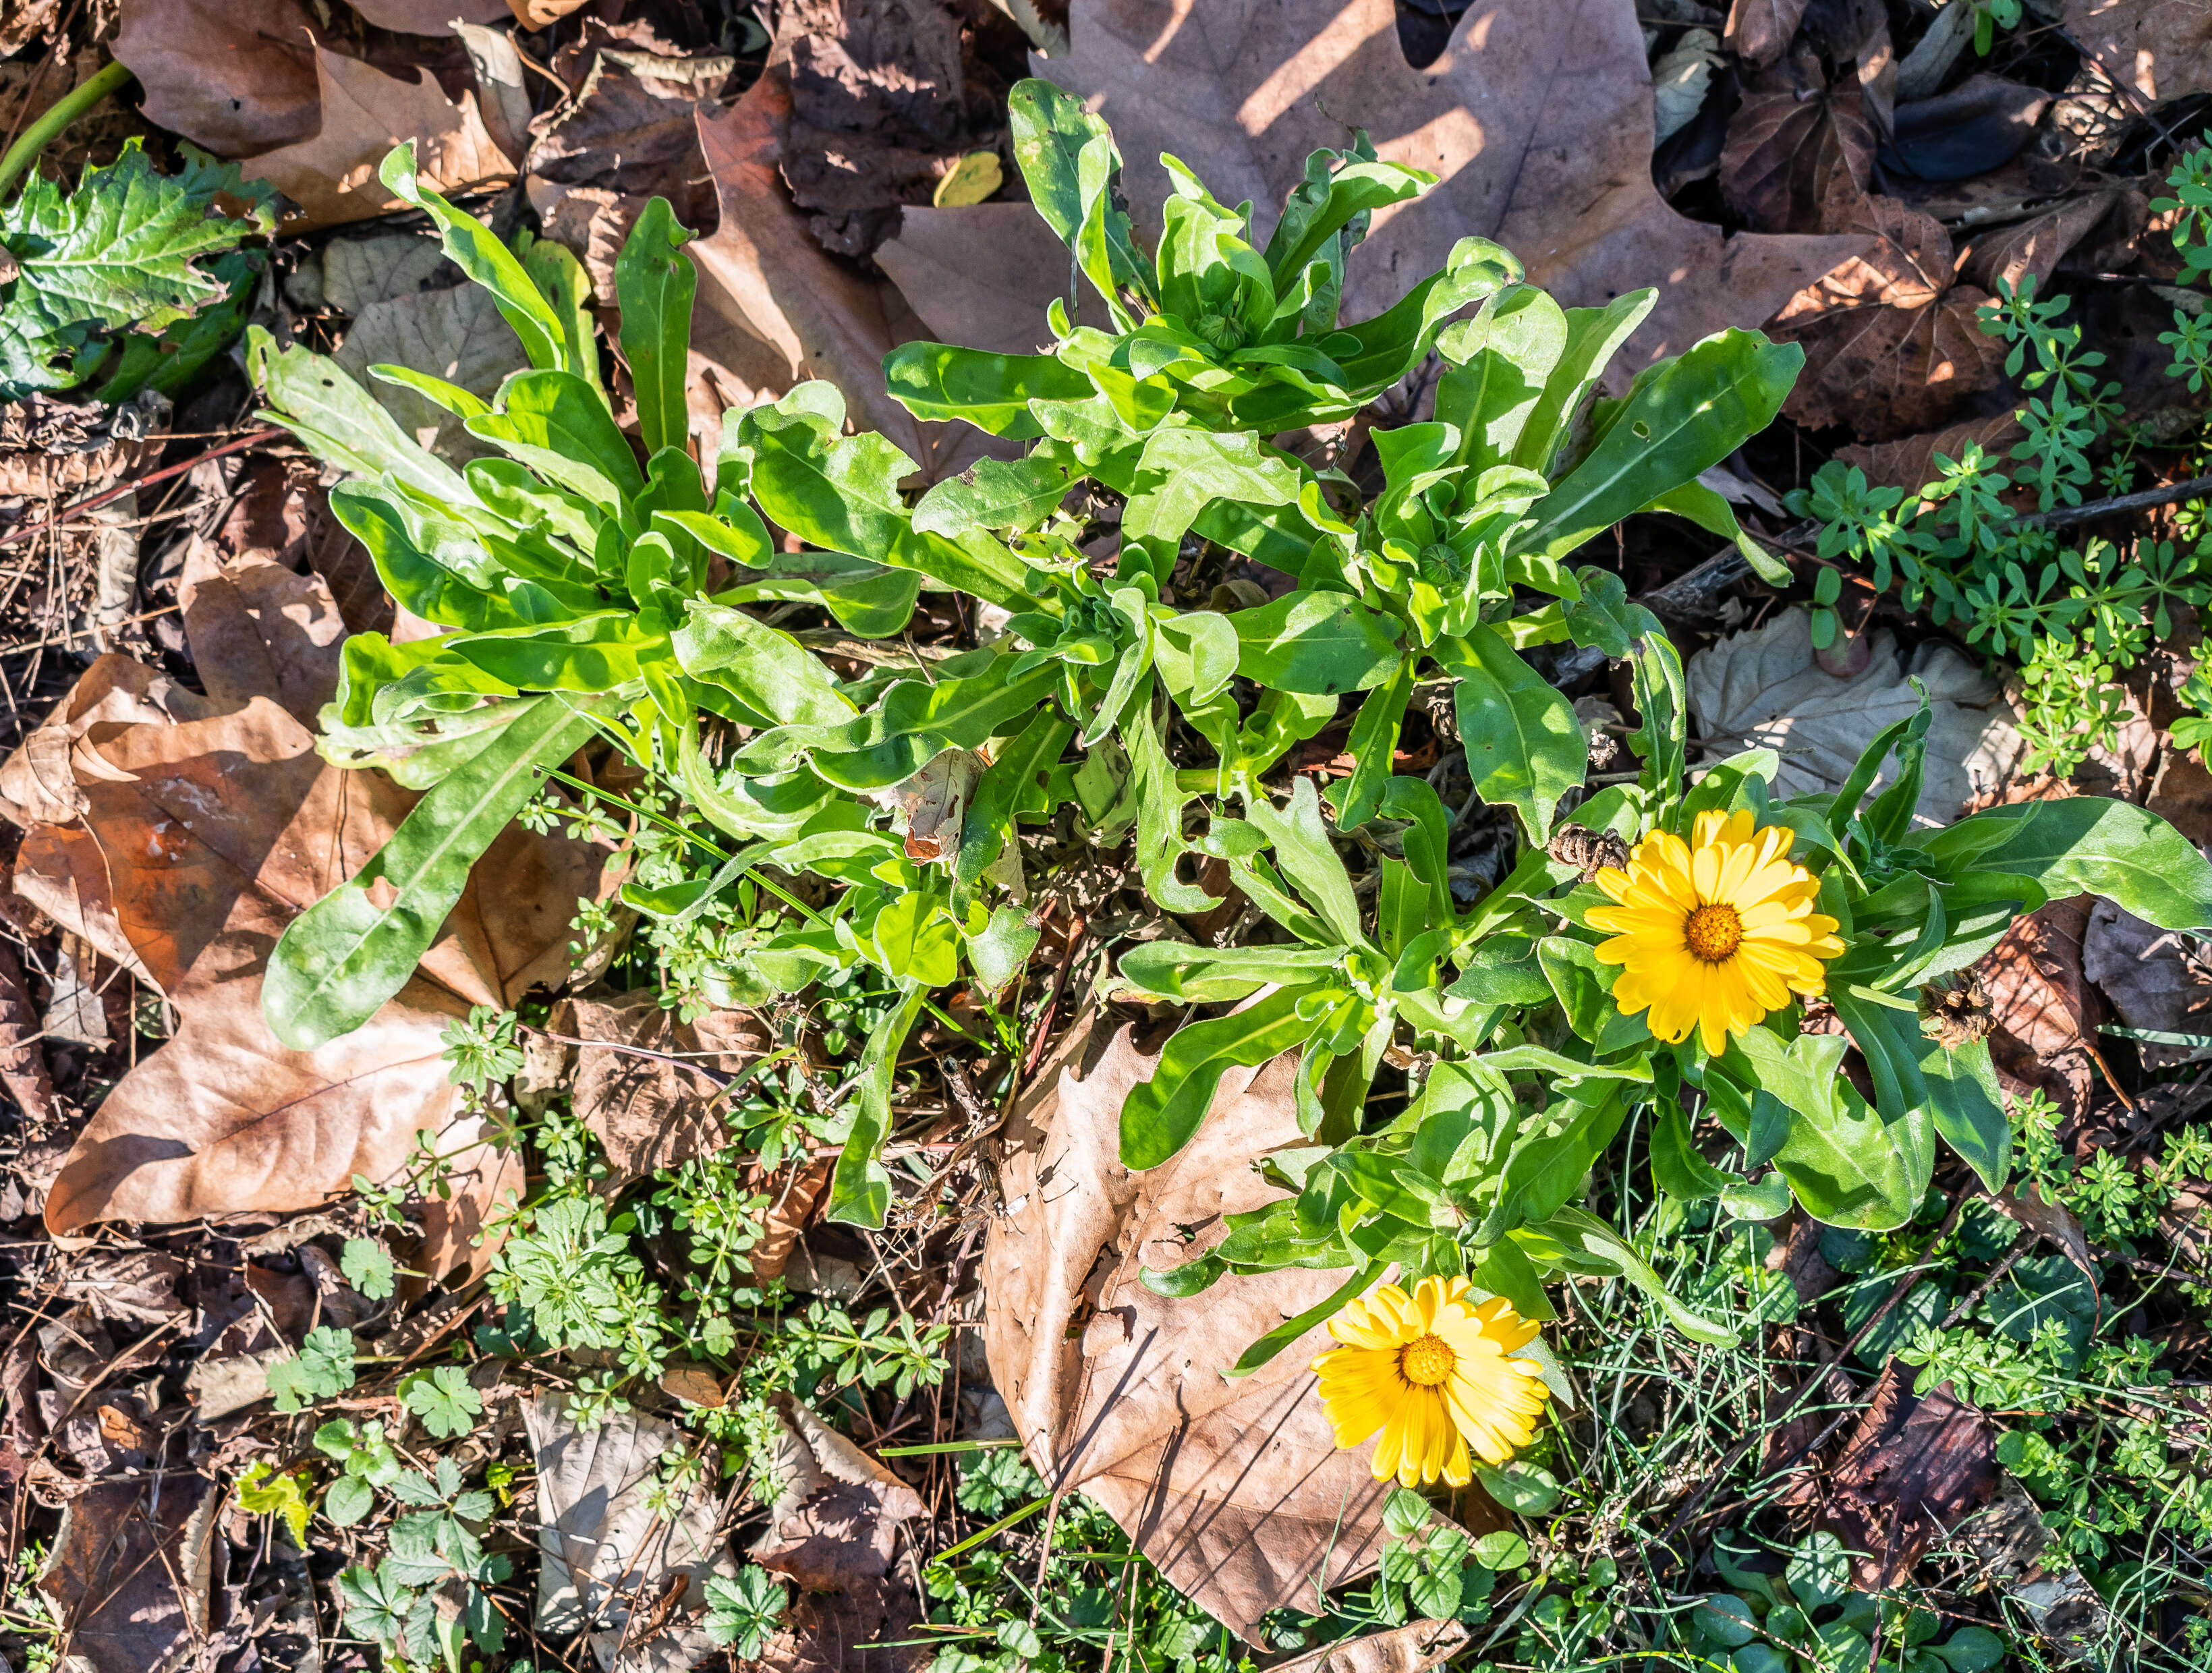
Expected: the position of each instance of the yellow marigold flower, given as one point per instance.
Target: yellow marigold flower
(1430, 1370)
(1714, 933)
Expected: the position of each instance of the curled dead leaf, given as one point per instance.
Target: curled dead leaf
(1916, 1466)
(835, 1523)
(1235, 1489)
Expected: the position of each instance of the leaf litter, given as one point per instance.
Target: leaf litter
(213, 779)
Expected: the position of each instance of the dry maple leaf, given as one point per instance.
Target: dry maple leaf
(1236, 1490)
(1787, 141)
(1537, 118)
(365, 113)
(233, 75)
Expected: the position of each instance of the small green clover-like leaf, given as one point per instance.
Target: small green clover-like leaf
(367, 1267)
(376, 1603)
(321, 1370)
(443, 1400)
(348, 1500)
(991, 1481)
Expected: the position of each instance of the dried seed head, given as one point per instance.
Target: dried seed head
(1955, 1011)
(1589, 851)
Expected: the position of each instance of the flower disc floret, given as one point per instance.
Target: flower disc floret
(1435, 1371)
(1713, 933)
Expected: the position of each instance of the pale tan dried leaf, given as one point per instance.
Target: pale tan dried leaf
(613, 1544)
(1414, 1647)
(1539, 119)
(500, 82)
(357, 271)
(1760, 30)
(233, 75)
(457, 335)
(997, 305)
(365, 113)
(258, 629)
(1235, 1489)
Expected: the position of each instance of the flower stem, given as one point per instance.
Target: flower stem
(69, 106)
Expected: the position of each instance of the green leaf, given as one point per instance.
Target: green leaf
(561, 280)
(1593, 337)
(1373, 745)
(443, 1399)
(555, 423)
(1051, 130)
(860, 1188)
(1605, 617)
(1321, 644)
(1838, 1156)
(587, 653)
(479, 254)
(1891, 1041)
(1018, 782)
(1308, 859)
(2083, 845)
(653, 288)
(1525, 749)
(1161, 1114)
(1182, 472)
(1205, 975)
(1680, 417)
(870, 600)
(318, 401)
(995, 493)
(1501, 360)
(120, 253)
(777, 682)
(997, 954)
(1576, 1228)
(1524, 1488)
(939, 382)
(367, 1267)
(321, 1370)
(337, 962)
(1968, 1107)
(1676, 1167)
(169, 362)
(349, 1500)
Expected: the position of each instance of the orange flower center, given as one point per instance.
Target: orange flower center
(1713, 932)
(1427, 1361)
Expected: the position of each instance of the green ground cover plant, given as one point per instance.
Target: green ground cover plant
(1574, 1120)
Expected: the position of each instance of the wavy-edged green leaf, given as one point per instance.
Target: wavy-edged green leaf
(1594, 336)
(316, 399)
(337, 962)
(2083, 845)
(778, 683)
(555, 423)
(1308, 859)
(940, 382)
(477, 252)
(1205, 975)
(1181, 471)
(1967, 1106)
(1000, 494)
(1320, 644)
(1017, 783)
(1161, 1114)
(586, 653)
(1050, 130)
(1839, 1158)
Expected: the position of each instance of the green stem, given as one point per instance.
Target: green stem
(71, 105)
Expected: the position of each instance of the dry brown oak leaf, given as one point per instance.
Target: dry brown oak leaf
(1537, 118)
(235, 75)
(762, 271)
(365, 113)
(2154, 49)
(1892, 345)
(1236, 1490)
(200, 838)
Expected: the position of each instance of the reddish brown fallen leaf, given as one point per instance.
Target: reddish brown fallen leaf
(1914, 1468)
(429, 17)
(1784, 143)
(2036, 247)
(1538, 119)
(796, 1193)
(1891, 343)
(836, 1521)
(130, 1571)
(365, 113)
(22, 1065)
(541, 14)
(2182, 794)
(1910, 463)
(868, 1627)
(764, 272)
(1000, 305)
(2160, 49)
(1760, 30)
(235, 75)
(2045, 1011)
(1235, 1489)
(647, 1112)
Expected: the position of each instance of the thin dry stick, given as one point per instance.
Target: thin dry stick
(119, 491)
(2066, 516)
